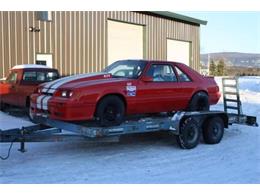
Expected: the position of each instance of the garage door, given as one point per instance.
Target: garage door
(125, 41)
(178, 51)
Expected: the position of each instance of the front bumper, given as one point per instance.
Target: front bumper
(61, 108)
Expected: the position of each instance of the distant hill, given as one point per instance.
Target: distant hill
(234, 59)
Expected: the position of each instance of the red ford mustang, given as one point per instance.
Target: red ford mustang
(125, 87)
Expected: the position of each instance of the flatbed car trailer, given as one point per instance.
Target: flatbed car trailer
(186, 126)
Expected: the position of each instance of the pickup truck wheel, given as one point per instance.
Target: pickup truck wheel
(110, 111)
(189, 136)
(199, 102)
(30, 114)
(213, 130)
(2, 106)
(29, 111)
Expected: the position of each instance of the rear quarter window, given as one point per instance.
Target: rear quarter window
(183, 77)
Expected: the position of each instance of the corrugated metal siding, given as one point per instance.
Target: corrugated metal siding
(78, 40)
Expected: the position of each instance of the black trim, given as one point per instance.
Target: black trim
(175, 17)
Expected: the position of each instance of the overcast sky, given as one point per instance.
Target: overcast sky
(229, 31)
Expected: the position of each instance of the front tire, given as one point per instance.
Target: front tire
(110, 111)
(189, 136)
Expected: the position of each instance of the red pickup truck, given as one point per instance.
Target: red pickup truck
(22, 81)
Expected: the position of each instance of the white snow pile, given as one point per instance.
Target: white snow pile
(149, 158)
(11, 122)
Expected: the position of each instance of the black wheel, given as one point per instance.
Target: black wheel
(199, 102)
(110, 111)
(28, 109)
(213, 130)
(2, 106)
(30, 114)
(189, 134)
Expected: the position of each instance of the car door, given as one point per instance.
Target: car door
(27, 85)
(161, 93)
(9, 88)
(31, 79)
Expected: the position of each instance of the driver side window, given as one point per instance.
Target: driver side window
(162, 73)
(12, 78)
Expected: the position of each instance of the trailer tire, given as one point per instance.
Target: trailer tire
(189, 136)
(199, 102)
(213, 130)
(110, 111)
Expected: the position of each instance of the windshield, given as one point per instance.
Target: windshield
(126, 68)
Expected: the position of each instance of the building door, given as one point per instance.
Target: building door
(178, 51)
(125, 41)
(44, 59)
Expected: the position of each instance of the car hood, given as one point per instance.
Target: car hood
(98, 82)
(64, 82)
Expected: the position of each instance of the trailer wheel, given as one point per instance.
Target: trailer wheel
(110, 111)
(213, 130)
(189, 134)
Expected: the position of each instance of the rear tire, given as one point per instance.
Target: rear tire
(199, 102)
(110, 111)
(213, 130)
(189, 134)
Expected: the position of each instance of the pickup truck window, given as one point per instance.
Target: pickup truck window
(12, 78)
(33, 76)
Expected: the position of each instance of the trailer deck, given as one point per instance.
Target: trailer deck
(48, 130)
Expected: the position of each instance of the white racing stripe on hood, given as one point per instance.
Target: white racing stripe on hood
(49, 84)
(54, 85)
(45, 102)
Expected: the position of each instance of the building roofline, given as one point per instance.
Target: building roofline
(178, 17)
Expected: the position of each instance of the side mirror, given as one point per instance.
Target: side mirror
(147, 79)
(2, 80)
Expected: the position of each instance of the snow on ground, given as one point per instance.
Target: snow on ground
(9, 122)
(146, 158)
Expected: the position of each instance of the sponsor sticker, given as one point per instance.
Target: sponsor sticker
(131, 90)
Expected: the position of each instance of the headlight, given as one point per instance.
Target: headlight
(66, 94)
(39, 90)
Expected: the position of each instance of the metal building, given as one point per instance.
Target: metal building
(87, 41)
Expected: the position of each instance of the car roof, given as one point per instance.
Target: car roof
(153, 61)
(27, 66)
